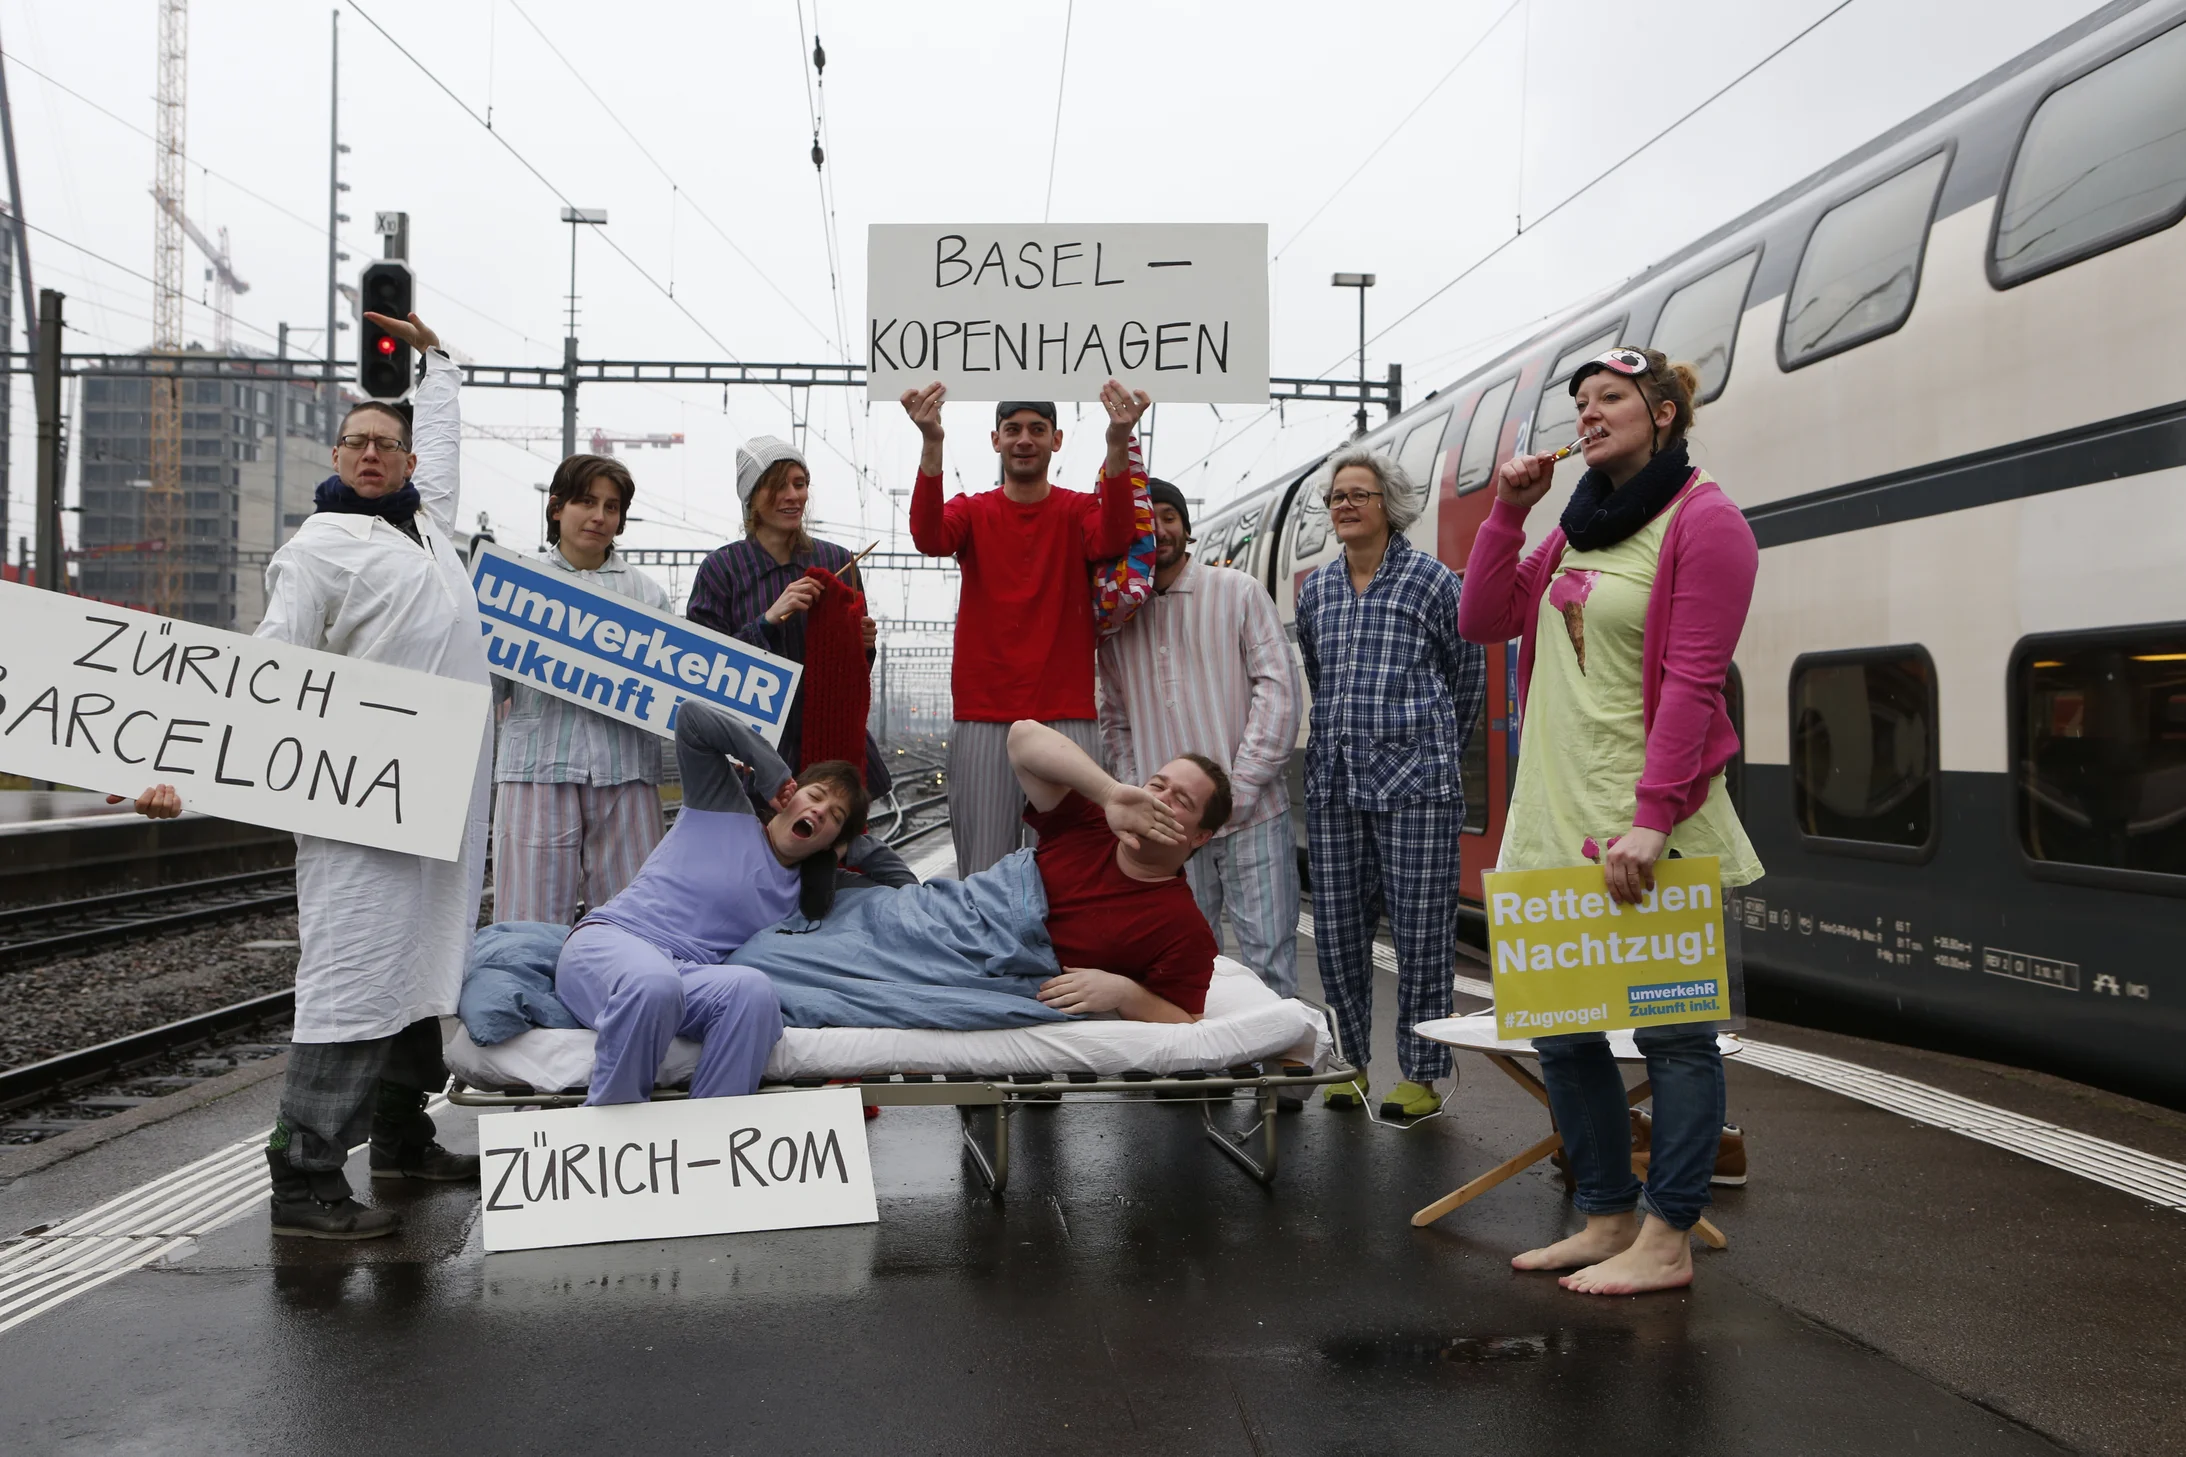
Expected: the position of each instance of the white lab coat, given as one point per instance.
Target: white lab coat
(385, 935)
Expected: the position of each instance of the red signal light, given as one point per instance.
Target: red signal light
(386, 344)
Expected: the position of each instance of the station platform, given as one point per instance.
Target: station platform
(1890, 1285)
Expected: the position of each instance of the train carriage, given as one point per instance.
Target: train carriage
(1946, 379)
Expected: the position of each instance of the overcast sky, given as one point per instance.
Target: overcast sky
(1470, 117)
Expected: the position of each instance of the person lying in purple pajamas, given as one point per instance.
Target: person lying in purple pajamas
(646, 967)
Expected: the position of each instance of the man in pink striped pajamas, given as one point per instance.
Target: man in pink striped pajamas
(1204, 668)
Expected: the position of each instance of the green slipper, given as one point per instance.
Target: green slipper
(1410, 1100)
(1345, 1096)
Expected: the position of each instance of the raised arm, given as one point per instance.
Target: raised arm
(1497, 584)
(436, 421)
(707, 739)
(1109, 532)
(1049, 766)
(935, 530)
(1271, 720)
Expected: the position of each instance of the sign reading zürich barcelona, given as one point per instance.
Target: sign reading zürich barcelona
(616, 656)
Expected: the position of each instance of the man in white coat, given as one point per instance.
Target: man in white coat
(374, 574)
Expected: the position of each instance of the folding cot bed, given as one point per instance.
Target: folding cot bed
(1248, 1040)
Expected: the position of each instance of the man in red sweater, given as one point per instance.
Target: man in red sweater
(1024, 626)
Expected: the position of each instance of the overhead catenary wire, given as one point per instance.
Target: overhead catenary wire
(318, 227)
(1477, 264)
(1402, 123)
(683, 196)
(1055, 137)
(502, 139)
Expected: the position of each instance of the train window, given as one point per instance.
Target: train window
(1311, 533)
(1241, 535)
(2099, 730)
(2103, 161)
(1861, 269)
(1476, 466)
(1556, 418)
(1699, 324)
(1421, 447)
(1863, 748)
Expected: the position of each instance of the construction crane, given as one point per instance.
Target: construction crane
(161, 585)
(225, 284)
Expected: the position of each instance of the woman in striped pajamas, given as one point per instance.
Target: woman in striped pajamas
(576, 794)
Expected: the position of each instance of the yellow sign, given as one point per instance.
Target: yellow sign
(1567, 958)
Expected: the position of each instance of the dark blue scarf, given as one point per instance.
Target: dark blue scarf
(1601, 515)
(397, 507)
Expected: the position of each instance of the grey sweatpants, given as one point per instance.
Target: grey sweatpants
(986, 804)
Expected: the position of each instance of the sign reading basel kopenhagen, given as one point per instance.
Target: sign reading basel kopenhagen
(1568, 958)
(1047, 312)
(245, 728)
(617, 656)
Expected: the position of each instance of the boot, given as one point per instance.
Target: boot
(316, 1204)
(423, 1161)
(403, 1146)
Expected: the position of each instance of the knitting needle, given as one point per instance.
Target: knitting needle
(861, 556)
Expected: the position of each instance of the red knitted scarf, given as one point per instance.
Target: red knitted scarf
(837, 682)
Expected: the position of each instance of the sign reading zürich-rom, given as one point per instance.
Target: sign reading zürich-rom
(1050, 312)
(546, 630)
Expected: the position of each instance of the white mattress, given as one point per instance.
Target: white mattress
(1244, 1022)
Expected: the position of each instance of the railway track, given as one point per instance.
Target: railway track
(32, 933)
(98, 1082)
(44, 1099)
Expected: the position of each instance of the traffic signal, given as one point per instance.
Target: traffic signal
(384, 362)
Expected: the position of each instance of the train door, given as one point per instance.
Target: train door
(1474, 442)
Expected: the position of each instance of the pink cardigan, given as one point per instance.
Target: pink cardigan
(1695, 613)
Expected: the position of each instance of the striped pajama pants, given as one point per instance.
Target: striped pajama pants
(1403, 862)
(986, 803)
(1253, 874)
(562, 849)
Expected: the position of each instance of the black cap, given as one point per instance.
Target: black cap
(1008, 408)
(1165, 494)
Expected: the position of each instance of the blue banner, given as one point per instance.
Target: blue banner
(617, 656)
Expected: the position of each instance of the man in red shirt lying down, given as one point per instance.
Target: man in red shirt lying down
(1098, 920)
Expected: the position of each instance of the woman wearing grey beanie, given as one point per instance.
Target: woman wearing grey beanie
(756, 590)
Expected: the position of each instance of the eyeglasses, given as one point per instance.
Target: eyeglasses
(388, 444)
(1351, 498)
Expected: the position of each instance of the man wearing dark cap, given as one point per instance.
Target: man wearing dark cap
(1204, 668)
(1024, 626)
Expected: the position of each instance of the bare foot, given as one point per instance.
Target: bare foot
(1605, 1237)
(1660, 1259)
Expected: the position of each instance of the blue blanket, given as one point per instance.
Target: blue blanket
(508, 987)
(958, 955)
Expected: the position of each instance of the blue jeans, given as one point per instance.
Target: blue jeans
(1586, 1097)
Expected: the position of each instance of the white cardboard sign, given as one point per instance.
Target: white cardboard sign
(578, 1176)
(615, 655)
(1045, 312)
(246, 728)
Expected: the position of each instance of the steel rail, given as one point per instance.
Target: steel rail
(41, 1082)
(114, 919)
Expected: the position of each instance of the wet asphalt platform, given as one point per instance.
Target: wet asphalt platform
(1889, 1288)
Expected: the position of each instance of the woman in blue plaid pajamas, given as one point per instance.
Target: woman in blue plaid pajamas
(1395, 695)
